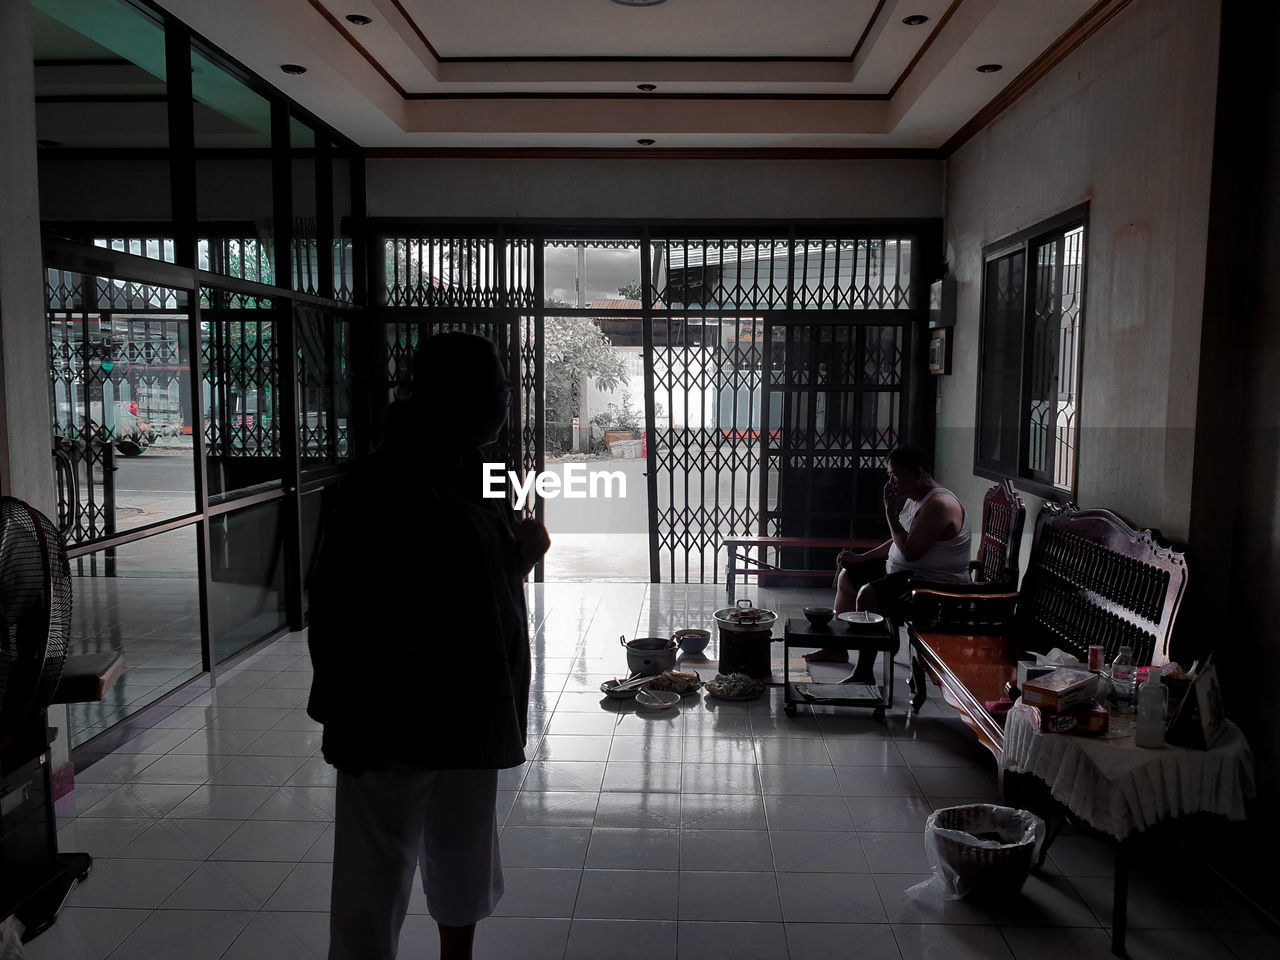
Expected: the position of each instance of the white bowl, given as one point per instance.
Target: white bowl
(656, 699)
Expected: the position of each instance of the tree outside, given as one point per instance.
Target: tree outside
(574, 349)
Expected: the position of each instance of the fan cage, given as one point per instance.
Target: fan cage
(35, 614)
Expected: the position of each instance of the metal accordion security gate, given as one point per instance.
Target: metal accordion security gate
(785, 362)
(777, 365)
(482, 284)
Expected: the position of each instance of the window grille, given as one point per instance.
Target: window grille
(1029, 380)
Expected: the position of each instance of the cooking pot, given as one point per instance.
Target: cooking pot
(649, 656)
(745, 618)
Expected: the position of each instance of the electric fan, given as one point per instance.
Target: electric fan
(35, 617)
(35, 623)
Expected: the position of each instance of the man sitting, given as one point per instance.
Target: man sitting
(929, 539)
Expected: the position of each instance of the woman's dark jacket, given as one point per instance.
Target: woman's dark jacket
(418, 631)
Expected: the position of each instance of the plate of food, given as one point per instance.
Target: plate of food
(623, 689)
(734, 686)
(859, 618)
(683, 682)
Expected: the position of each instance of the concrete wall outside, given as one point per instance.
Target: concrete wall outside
(654, 189)
(1125, 123)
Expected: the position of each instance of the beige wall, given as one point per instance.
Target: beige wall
(1125, 123)
(655, 189)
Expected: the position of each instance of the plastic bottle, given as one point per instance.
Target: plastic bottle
(1123, 676)
(1153, 714)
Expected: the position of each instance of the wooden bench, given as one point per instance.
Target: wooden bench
(741, 563)
(86, 677)
(1092, 578)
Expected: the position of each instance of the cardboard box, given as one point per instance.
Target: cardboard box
(1060, 690)
(1091, 719)
(1030, 670)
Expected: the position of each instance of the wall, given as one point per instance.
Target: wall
(1125, 123)
(654, 189)
(26, 460)
(1235, 517)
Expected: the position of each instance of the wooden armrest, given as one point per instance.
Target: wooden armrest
(965, 594)
(984, 588)
(87, 677)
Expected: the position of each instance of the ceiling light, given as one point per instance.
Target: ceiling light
(359, 19)
(639, 3)
(293, 69)
(643, 141)
(647, 87)
(915, 20)
(991, 68)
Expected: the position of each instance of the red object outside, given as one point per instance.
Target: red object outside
(644, 445)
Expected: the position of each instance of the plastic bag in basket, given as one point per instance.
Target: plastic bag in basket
(979, 848)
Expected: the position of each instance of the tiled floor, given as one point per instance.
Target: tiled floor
(717, 830)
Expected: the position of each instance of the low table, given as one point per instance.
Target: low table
(881, 637)
(1120, 789)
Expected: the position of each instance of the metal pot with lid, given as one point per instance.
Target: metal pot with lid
(745, 634)
(649, 656)
(745, 618)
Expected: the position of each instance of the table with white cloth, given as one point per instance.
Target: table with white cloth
(1122, 789)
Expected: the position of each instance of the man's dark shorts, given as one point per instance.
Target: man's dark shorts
(893, 590)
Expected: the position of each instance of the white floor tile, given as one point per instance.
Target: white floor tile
(701, 940)
(174, 838)
(524, 846)
(830, 898)
(228, 885)
(949, 942)
(227, 802)
(727, 895)
(626, 895)
(621, 940)
(287, 841)
(283, 936)
(506, 938)
(306, 888)
(189, 934)
(85, 933)
(905, 902)
(101, 837)
(631, 848)
(539, 892)
(838, 941)
(818, 851)
(736, 850)
(807, 813)
(131, 884)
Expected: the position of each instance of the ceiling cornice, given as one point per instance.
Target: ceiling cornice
(652, 153)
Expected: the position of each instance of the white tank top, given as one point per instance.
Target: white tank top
(946, 560)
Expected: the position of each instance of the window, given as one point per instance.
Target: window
(1029, 357)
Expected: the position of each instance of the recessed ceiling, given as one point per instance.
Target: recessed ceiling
(762, 74)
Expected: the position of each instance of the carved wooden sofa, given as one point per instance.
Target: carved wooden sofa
(1092, 578)
(993, 575)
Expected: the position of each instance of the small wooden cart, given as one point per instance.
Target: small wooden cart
(881, 637)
